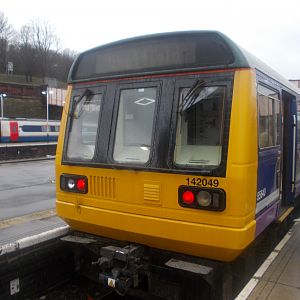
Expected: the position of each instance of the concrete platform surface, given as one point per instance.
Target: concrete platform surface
(24, 232)
(26, 188)
(279, 277)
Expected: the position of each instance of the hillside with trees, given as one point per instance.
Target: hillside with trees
(33, 51)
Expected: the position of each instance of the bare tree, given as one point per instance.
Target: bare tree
(46, 43)
(34, 50)
(63, 63)
(6, 32)
(27, 51)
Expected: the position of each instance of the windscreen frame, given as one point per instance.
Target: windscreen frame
(164, 138)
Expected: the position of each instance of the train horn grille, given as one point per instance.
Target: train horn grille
(103, 187)
(152, 191)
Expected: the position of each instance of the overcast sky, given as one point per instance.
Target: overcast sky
(270, 29)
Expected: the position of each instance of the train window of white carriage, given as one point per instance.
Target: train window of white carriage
(200, 128)
(83, 127)
(269, 117)
(135, 125)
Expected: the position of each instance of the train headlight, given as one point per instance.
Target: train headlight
(204, 198)
(71, 183)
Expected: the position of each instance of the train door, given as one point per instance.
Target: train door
(14, 131)
(289, 149)
(270, 151)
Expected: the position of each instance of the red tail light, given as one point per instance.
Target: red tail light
(188, 197)
(81, 184)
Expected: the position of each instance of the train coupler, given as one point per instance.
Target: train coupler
(120, 267)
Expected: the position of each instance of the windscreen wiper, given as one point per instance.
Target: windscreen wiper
(191, 96)
(86, 96)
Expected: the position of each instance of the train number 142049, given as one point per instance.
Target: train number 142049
(203, 182)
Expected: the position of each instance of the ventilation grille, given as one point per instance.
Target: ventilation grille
(103, 187)
(152, 193)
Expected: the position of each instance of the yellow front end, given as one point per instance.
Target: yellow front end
(142, 207)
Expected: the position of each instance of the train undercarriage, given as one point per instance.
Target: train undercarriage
(148, 273)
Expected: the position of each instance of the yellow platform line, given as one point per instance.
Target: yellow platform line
(26, 218)
(285, 215)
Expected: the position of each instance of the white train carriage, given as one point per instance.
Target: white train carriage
(28, 130)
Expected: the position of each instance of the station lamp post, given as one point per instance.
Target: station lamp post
(46, 92)
(2, 96)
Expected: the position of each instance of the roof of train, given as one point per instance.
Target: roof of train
(167, 52)
(256, 63)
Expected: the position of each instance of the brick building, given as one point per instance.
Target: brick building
(27, 101)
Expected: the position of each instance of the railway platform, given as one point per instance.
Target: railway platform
(279, 276)
(33, 259)
(30, 229)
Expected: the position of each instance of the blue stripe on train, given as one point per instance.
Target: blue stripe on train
(5, 139)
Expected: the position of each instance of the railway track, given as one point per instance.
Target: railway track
(19, 151)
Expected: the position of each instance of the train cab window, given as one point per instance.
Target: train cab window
(83, 126)
(135, 125)
(269, 117)
(200, 126)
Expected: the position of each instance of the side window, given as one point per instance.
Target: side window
(135, 125)
(83, 126)
(269, 123)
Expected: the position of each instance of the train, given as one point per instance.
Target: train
(176, 152)
(28, 130)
